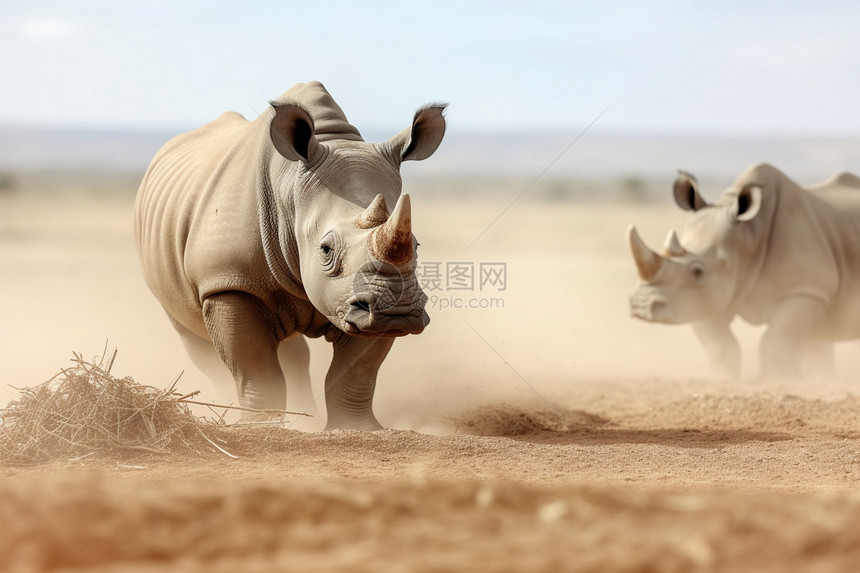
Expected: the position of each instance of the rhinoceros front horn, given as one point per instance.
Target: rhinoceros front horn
(375, 214)
(391, 242)
(648, 263)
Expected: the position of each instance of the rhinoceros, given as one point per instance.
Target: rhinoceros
(769, 251)
(255, 234)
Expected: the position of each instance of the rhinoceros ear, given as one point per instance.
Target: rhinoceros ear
(292, 132)
(748, 203)
(423, 138)
(686, 191)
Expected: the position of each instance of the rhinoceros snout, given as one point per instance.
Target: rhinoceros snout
(648, 307)
(385, 301)
(367, 314)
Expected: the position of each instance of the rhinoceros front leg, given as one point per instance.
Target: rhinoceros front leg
(245, 339)
(784, 344)
(721, 346)
(351, 382)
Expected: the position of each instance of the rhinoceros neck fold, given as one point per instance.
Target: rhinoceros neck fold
(276, 215)
(329, 127)
(762, 237)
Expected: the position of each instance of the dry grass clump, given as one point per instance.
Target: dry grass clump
(84, 411)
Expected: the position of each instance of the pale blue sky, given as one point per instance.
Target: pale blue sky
(735, 67)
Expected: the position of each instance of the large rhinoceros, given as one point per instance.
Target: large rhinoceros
(252, 234)
(768, 251)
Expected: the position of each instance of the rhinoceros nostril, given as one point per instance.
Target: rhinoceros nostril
(361, 305)
(658, 307)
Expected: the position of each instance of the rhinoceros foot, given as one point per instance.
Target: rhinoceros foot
(353, 423)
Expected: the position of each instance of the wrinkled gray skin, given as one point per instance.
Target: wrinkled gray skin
(768, 251)
(252, 234)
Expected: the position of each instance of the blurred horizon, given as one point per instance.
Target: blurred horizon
(591, 165)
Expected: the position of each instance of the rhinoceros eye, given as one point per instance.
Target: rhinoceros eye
(697, 271)
(328, 254)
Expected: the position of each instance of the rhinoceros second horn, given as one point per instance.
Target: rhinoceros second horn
(375, 214)
(672, 246)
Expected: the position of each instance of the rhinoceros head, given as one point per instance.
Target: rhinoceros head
(697, 275)
(355, 251)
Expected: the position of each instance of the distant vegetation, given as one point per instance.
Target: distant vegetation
(8, 182)
(71, 182)
(633, 188)
(630, 188)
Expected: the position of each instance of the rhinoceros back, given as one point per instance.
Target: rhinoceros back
(196, 222)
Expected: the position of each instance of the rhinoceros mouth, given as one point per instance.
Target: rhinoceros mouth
(364, 316)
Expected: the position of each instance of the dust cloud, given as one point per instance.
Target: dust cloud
(550, 324)
(555, 317)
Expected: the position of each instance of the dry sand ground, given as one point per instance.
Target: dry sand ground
(552, 434)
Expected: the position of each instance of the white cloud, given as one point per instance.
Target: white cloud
(47, 30)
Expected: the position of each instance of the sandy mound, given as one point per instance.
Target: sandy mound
(761, 411)
(509, 421)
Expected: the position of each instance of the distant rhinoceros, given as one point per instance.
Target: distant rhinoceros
(252, 234)
(768, 251)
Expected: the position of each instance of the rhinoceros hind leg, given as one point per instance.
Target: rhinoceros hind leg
(819, 360)
(204, 357)
(786, 339)
(295, 358)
